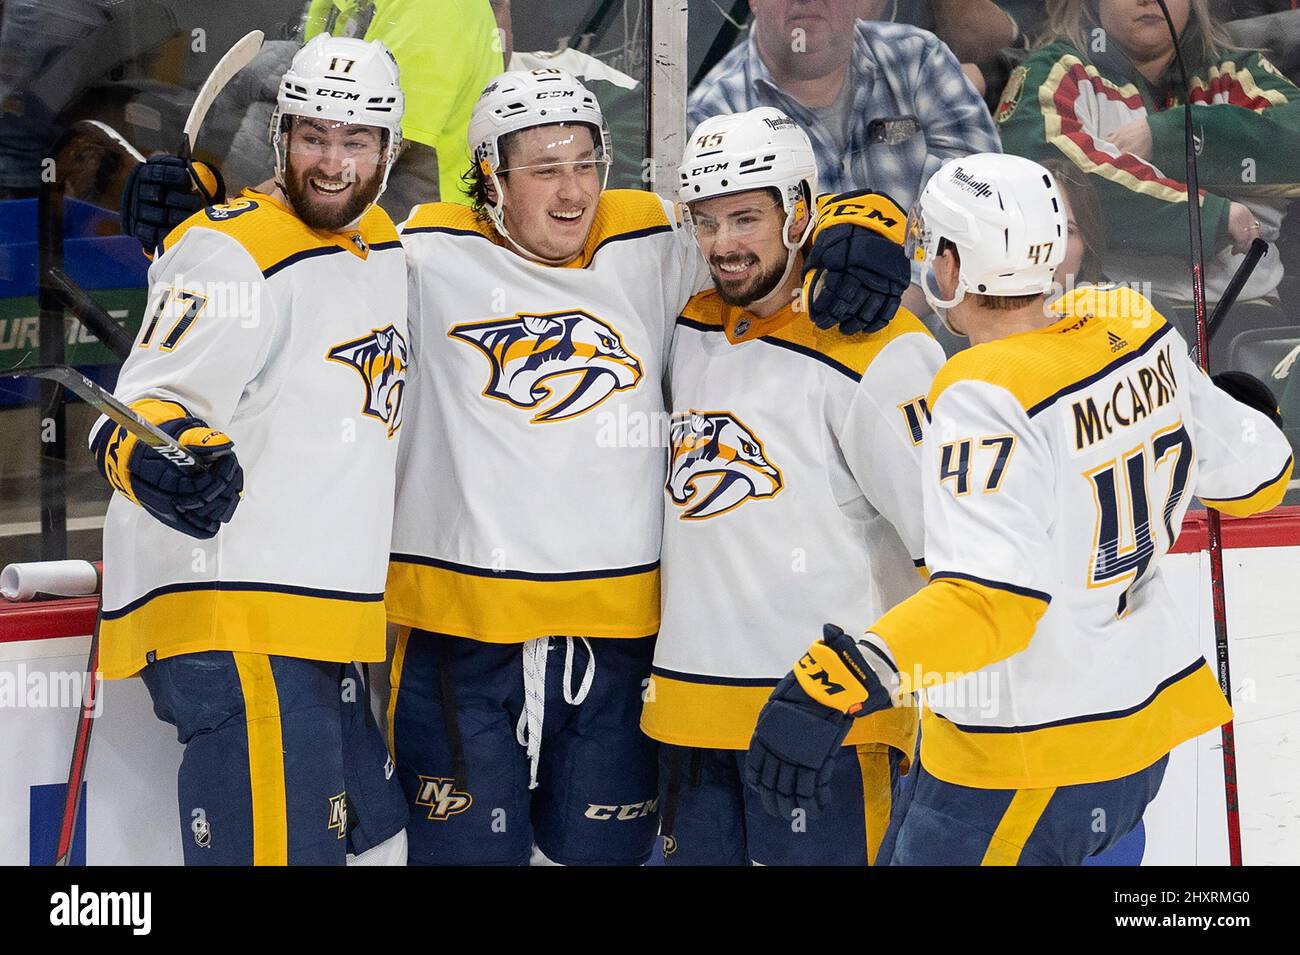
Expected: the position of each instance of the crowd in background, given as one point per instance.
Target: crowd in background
(887, 90)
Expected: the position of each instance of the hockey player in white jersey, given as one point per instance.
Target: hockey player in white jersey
(1064, 449)
(525, 567)
(275, 349)
(793, 488)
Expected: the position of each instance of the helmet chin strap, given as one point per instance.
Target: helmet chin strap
(497, 213)
(792, 251)
(941, 306)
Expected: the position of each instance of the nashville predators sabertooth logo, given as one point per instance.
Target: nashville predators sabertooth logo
(717, 464)
(560, 364)
(381, 359)
(440, 796)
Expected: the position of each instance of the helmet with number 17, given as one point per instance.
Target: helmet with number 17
(524, 99)
(1006, 219)
(341, 81)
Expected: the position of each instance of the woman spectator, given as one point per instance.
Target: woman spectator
(1103, 93)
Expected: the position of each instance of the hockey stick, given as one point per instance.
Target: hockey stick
(1258, 249)
(99, 398)
(236, 58)
(80, 748)
(91, 314)
(1215, 541)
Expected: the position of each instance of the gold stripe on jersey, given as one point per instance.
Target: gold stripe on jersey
(620, 214)
(265, 759)
(958, 624)
(877, 794)
(1089, 749)
(717, 715)
(305, 625)
(395, 682)
(509, 608)
(850, 354)
(275, 237)
(1264, 498)
(1016, 826)
(1036, 365)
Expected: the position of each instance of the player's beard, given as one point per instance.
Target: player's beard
(756, 288)
(327, 218)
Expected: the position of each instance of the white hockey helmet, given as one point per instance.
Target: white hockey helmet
(341, 80)
(759, 149)
(762, 148)
(1006, 217)
(523, 99)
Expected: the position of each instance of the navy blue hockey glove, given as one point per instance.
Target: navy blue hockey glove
(856, 272)
(804, 723)
(194, 501)
(1250, 391)
(162, 193)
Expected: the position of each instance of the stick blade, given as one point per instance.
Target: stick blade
(236, 58)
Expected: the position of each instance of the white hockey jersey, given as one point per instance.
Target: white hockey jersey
(527, 499)
(294, 343)
(1058, 466)
(793, 498)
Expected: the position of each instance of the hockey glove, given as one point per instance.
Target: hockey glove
(162, 193)
(856, 272)
(194, 501)
(804, 723)
(1250, 391)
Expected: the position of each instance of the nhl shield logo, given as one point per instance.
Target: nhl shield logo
(717, 464)
(558, 365)
(381, 359)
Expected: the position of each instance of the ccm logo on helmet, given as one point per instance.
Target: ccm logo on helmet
(338, 94)
(554, 94)
(705, 170)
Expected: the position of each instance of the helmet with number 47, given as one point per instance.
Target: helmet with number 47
(1006, 219)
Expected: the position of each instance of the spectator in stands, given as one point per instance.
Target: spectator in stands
(1110, 107)
(1087, 239)
(809, 59)
(975, 30)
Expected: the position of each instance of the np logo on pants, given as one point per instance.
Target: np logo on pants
(440, 796)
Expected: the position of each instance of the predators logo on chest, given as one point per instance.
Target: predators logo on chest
(381, 359)
(717, 464)
(559, 364)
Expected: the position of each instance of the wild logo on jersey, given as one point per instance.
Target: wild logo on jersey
(561, 363)
(717, 464)
(381, 359)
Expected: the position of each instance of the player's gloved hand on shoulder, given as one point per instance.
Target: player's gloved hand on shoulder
(1250, 391)
(804, 722)
(856, 272)
(162, 193)
(193, 500)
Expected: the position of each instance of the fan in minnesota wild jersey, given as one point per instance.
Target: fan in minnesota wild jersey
(1064, 448)
(793, 488)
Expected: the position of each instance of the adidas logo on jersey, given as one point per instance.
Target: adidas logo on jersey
(560, 364)
(1116, 343)
(441, 797)
(717, 464)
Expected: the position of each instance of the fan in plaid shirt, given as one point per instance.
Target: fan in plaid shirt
(893, 70)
